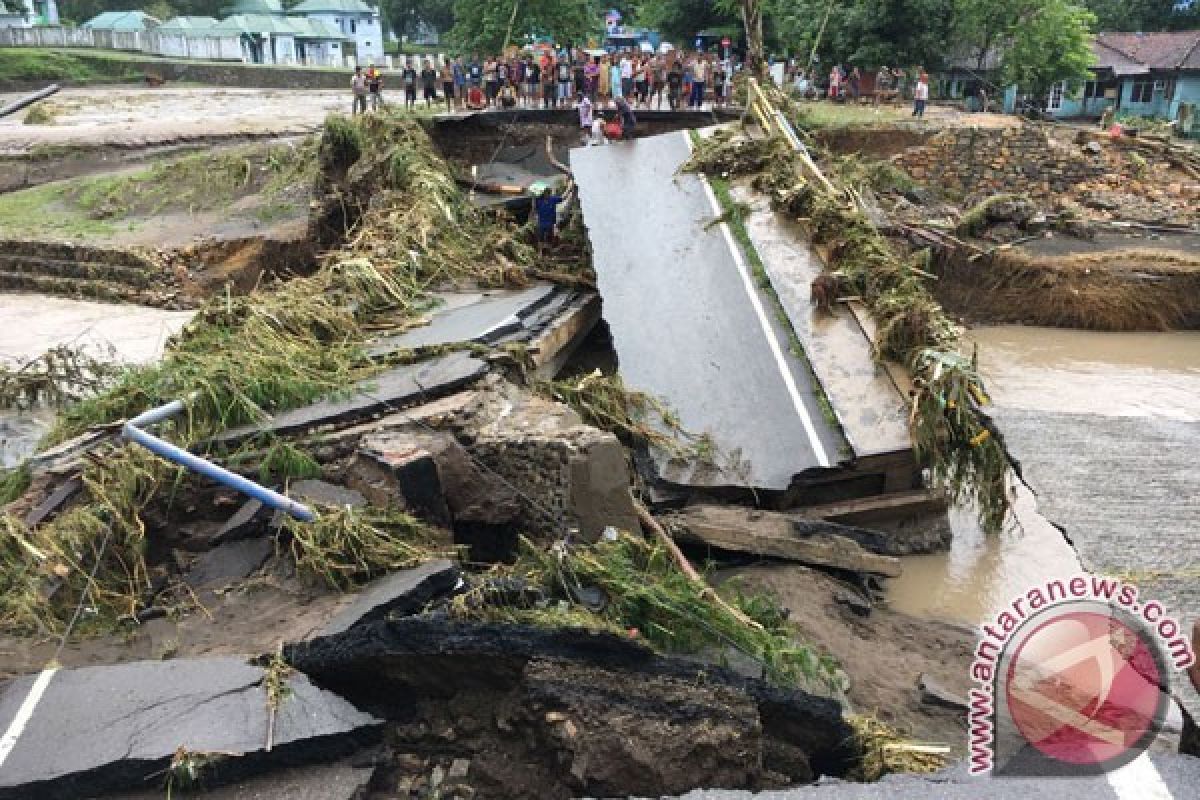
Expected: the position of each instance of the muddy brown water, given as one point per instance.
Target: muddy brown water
(1056, 370)
(34, 323)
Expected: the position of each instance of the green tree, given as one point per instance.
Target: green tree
(1050, 43)
(481, 25)
(680, 20)
(1143, 15)
(405, 15)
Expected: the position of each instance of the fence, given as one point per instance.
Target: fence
(212, 48)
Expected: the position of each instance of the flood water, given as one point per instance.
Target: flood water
(31, 324)
(1054, 370)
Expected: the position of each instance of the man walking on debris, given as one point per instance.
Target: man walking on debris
(358, 87)
(920, 95)
(546, 208)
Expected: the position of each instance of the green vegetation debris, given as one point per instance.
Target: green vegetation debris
(42, 113)
(647, 596)
(345, 547)
(14, 482)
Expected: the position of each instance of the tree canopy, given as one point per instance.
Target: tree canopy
(481, 25)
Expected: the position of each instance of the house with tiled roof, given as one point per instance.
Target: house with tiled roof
(1147, 74)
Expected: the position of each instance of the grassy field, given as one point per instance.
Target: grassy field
(22, 64)
(100, 206)
(823, 114)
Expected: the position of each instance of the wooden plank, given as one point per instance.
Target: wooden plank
(776, 535)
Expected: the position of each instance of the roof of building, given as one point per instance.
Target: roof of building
(299, 27)
(1133, 53)
(332, 6)
(237, 7)
(188, 25)
(122, 21)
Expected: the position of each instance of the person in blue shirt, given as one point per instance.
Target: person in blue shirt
(545, 206)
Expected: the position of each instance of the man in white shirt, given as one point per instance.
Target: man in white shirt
(920, 96)
(626, 76)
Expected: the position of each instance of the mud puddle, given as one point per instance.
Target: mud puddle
(1053, 370)
(35, 323)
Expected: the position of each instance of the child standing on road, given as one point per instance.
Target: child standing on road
(585, 115)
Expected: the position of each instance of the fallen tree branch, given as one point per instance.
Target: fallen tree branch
(686, 567)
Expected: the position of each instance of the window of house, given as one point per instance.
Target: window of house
(1142, 92)
(353, 28)
(1092, 90)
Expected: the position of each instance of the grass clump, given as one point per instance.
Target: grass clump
(14, 482)
(605, 402)
(40, 114)
(345, 547)
(984, 213)
(646, 593)
(57, 378)
(886, 751)
(285, 461)
(341, 143)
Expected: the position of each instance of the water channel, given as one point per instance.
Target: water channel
(1051, 370)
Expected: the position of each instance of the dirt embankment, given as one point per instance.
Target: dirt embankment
(1045, 226)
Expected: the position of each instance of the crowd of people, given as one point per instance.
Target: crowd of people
(548, 79)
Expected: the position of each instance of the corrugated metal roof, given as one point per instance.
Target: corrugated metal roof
(300, 27)
(239, 7)
(332, 6)
(122, 21)
(188, 25)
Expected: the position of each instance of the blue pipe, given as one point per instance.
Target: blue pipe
(133, 432)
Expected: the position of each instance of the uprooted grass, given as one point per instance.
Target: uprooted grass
(239, 359)
(950, 431)
(605, 402)
(59, 377)
(886, 751)
(345, 547)
(645, 592)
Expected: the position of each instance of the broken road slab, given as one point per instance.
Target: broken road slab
(389, 391)
(404, 592)
(482, 317)
(102, 729)
(689, 325)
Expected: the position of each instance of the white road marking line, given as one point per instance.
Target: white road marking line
(756, 301)
(25, 713)
(1139, 780)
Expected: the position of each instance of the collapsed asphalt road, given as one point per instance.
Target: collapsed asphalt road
(689, 324)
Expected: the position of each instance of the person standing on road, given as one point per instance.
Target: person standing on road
(626, 76)
(533, 76)
(920, 95)
(491, 82)
(699, 81)
(659, 73)
(409, 79)
(674, 85)
(358, 88)
(720, 83)
(374, 86)
(604, 81)
(615, 80)
(563, 72)
(446, 73)
(549, 91)
(591, 79)
(429, 78)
